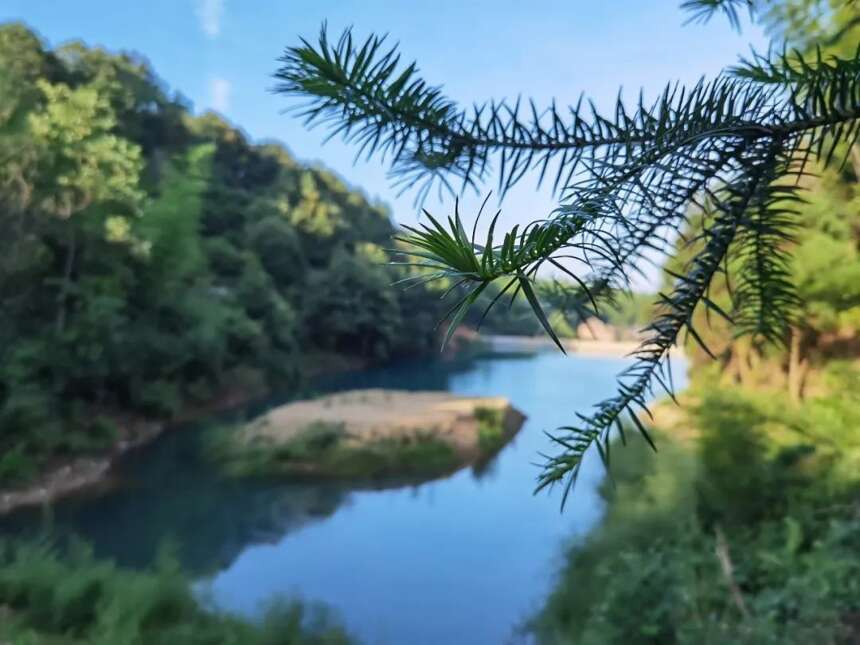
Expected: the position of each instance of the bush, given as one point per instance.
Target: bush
(158, 398)
(17, 467)
(750, 491)
(321, 450)
(82, 601)
(25, 410)
(84, 436)
(30, 431)
(491, 429)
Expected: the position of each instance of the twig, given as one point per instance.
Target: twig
(722, 551)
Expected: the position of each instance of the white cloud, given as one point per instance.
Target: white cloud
(209, 12)
(219, 94)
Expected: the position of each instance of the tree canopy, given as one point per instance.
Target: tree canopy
(152, 259)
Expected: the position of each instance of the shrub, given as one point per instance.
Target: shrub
(158, 398)
(78, 600)
(491, 428)
(321, 450)
(653, 571)
(17, 467)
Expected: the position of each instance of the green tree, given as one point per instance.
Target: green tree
(350, 308)
(87, 176)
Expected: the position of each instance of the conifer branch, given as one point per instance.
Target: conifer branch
(732, 147)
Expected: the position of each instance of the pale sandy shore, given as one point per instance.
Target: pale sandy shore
(75, 475)
(609, 349)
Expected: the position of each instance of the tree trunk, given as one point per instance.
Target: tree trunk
(855, 160)
(66, 283)
(745, 372)
(722, 552)
(796, 367)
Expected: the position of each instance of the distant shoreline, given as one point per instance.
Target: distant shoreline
(598, 348)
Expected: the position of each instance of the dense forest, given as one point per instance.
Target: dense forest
(152, 259)
(156, 260)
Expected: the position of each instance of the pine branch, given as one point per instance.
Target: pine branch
(704, 10)
(362, 93)
(750, 191)
(728, 146)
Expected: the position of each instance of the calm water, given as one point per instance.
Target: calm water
(460, 560)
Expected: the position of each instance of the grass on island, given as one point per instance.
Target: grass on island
(492, 434)
(322, 450)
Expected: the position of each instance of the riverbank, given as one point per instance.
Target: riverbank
(316, 537)
(69, 476)
(66, 477)
(747, 517)
(74, 599)
(597, 348)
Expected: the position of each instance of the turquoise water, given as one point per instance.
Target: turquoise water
(460, 560)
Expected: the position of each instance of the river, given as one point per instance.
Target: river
(465, 559)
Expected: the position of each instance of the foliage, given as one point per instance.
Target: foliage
(750, 536)
(325, 450)
(734, 148)
(491, 428)
(830, 25)
(631, 310)
(150, 257)
(78, 600)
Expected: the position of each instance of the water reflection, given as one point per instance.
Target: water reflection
(167, 493)
(473, 553)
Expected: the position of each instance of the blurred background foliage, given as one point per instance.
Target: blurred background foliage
(152, 260)
(744, 527)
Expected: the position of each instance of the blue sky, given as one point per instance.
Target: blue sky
(221, 54)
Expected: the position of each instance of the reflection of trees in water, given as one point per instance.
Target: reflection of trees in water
(485, 467)
(215, 533)
(409, 375)
(172, 495)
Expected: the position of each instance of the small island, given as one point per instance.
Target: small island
(371, 435)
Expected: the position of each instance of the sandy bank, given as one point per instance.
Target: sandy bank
(374, 433)
(598, 348)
